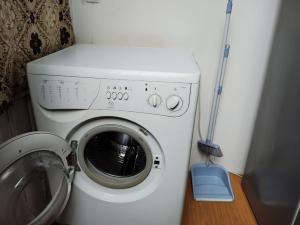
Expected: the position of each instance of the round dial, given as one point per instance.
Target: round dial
(174, 103)
(154, 100)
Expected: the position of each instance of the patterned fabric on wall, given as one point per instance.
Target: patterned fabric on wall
(29, 29)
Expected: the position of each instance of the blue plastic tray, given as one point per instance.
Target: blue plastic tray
(211, 183)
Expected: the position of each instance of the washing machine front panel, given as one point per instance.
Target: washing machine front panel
(156, 93)
(35, 179)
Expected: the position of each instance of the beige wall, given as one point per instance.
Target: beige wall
(196, 25)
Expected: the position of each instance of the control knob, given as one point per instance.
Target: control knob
(154, 100)
(174, 103)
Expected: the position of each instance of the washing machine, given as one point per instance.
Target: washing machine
(113, 143)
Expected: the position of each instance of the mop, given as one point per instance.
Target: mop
(207, 146)
(211, 182)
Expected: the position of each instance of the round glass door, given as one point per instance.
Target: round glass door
(31, 185)
(115, 156)
(35, 181)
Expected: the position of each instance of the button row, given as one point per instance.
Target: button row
(115, 95)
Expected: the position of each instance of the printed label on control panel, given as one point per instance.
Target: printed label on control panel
(67, 93)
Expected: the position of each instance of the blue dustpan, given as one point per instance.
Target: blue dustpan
(211, 183)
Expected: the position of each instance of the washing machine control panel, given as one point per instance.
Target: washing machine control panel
(163, 98)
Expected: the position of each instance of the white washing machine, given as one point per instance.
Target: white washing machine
(115, 131)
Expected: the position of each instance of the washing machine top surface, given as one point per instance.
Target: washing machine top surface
(132, 63)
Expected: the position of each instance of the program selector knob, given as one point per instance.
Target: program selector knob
(174, 103)
(154, 100)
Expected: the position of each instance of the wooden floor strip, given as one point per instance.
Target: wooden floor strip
(237, 212)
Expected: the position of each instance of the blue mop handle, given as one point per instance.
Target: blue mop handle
(229, 7)
(220, 76)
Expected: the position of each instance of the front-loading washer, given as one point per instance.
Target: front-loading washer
(118, 123)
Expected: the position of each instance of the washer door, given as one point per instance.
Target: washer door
(116, 153)
(35, 179)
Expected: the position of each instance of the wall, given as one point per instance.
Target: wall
(196, 25)
(18, 119)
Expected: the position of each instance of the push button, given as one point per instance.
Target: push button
(108, 95)
(120, 96)
(125, 96)
(114, 95)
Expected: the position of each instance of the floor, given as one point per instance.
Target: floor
(208, 213)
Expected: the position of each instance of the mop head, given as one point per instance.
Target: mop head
(210, 149)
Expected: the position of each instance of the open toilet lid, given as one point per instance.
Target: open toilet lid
(35, 178)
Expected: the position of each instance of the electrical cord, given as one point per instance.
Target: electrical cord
(209, 159)
(199, 110)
